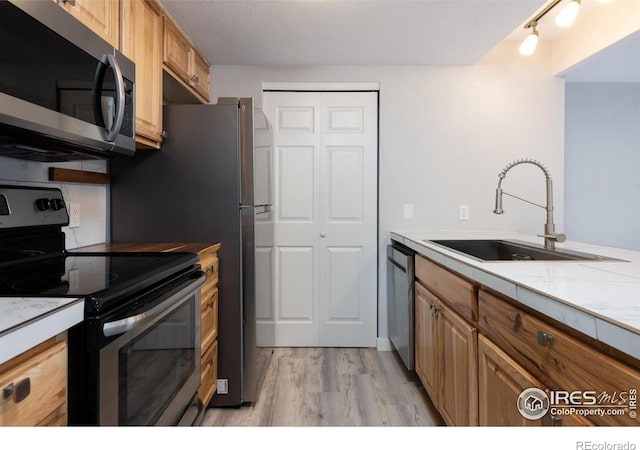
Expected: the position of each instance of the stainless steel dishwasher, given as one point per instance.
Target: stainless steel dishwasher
(400, 302)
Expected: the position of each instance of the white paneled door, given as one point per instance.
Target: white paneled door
(325, 157)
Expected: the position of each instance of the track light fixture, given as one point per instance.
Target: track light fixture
(565, 19)
(530, 43)
(568, 14)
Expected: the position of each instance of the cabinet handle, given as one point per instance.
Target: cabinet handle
(210, 304)
(71, 2)
(18, 391)
(552, 421)
(210, 361)
(545, 339)
(209, 269)
(194, 79)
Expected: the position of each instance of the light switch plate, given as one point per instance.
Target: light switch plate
(464, 212)
(408, 211)
(74, 215)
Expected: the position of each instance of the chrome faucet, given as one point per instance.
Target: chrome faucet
(550, 236)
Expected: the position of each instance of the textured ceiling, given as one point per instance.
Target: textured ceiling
(311, 32)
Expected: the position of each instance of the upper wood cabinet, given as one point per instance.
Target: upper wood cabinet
(183, 62)
(102, 16)
(142, 40)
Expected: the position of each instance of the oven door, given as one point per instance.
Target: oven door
(149, 374)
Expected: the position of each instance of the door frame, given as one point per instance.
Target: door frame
(382, 344)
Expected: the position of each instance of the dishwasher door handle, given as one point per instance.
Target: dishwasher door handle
(397, 264)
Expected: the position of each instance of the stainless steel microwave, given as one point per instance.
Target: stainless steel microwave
(65, 93)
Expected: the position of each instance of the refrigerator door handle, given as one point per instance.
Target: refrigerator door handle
(263, 209)
(259, 209)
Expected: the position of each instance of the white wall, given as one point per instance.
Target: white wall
(445, 134)
(91, 198)
(602, 150)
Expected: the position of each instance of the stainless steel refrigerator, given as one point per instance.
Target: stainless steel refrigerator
(199, 188)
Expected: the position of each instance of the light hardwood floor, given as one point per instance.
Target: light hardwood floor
(331, 387)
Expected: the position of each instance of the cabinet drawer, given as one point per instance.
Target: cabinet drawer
(209, 265)
(559, 360)
(209, 318)
(45, 366)
(209, 373)
(459, 293)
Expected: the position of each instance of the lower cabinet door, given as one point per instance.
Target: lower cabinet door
(459, 382)
(34, 386)
(501, 381)
(209, 374)
(427, 342)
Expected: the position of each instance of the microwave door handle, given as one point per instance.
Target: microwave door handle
(98, 79)
(108, 60)
(117, 73)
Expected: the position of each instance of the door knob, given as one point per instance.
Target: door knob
(323, 235)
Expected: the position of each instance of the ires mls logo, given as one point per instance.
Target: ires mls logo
(533, 403)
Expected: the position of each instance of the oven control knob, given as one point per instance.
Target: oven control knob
(43, 204)
(57, 203)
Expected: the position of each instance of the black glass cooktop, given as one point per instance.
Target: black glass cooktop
(96, 276)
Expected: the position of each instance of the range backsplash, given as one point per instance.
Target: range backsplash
(92, 198)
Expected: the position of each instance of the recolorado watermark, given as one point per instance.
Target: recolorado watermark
(590, 445)
(534, 403)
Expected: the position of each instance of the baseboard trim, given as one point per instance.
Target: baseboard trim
(383, 345)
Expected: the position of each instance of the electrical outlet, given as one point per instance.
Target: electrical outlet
(464, 212)
(223, 386)
(408, 211)
(74, 215)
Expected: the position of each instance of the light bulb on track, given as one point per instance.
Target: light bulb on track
(568, 14)
(530, 43)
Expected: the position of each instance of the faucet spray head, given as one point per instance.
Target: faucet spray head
(498, 209)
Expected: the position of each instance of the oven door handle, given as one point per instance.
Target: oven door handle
(129, 323)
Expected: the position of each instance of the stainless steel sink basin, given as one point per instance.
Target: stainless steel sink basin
(503, 250)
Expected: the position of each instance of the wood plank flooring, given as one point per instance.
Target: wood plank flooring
(331, 387)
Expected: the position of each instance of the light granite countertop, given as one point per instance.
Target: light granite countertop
(27, 321)
(598, 298)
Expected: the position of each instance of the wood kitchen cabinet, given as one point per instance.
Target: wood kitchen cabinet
(101, 16)
(34, 386)
(477, 351)
(184, 64)
(459, 375)
(500, 382)
(427, 342)
(209, 323)
(446, 343)
(142, 41)
(557, 358)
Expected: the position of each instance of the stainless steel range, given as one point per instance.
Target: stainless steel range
(135, 359)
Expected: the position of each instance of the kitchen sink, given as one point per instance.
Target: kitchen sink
(503, 250)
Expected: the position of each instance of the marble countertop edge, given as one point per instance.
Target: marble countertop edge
(598, 325)
(25, 334)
